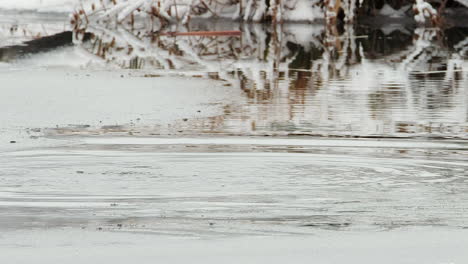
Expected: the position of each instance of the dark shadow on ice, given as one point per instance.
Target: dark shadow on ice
(41, 44)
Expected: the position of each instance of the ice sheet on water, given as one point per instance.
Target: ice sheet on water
(242, 186)
(401, 246)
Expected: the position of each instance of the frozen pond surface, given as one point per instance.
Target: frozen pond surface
(359, 133)
(212, 186)
(71, 246)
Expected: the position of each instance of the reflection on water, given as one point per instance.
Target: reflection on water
(293, 80)
(307, 79)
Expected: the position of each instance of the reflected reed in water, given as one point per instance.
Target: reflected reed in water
(298, 79)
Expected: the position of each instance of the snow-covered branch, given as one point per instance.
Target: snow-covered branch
(275, 11)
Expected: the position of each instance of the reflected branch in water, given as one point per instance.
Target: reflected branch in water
(310, 79)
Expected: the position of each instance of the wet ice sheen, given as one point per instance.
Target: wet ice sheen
(236, 188)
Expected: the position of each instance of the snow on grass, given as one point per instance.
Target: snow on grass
(184, 10)
(423, 11)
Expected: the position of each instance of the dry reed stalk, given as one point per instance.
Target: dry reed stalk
(275, 11)
(203, 33)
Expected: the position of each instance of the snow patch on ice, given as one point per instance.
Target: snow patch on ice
(40, 5)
